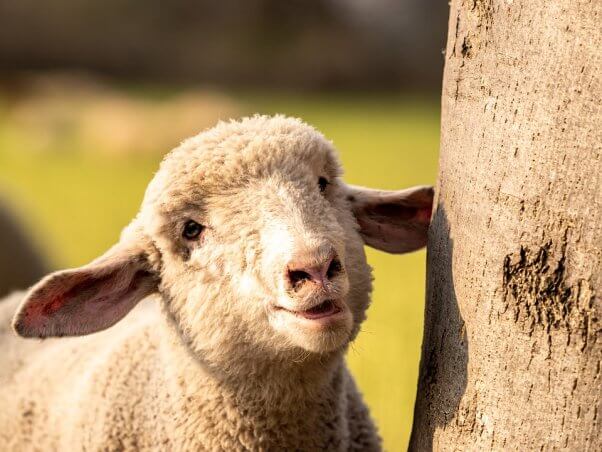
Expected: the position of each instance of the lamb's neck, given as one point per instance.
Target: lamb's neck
(281, 406)
(263, 379)
(286, 378)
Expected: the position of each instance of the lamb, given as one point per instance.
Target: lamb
(243, 278)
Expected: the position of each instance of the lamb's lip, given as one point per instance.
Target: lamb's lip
(307, 314)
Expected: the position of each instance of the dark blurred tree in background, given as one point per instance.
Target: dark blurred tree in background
(323, 44)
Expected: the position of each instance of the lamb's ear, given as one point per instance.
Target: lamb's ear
(392, 221)
(87, 299)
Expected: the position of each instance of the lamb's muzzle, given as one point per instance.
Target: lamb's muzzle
(299, 273)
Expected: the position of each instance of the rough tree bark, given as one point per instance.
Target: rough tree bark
(512, 351)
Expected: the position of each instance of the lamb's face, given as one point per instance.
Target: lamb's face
(254, 242)
(258, 242)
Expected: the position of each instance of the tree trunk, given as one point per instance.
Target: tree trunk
(511, 353)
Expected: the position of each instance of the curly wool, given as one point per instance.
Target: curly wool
(152, 382)
(128, 388)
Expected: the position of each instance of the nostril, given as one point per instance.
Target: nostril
(334, 268)
(298, 273)
(297, 277)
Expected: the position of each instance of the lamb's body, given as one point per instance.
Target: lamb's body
(134, 388)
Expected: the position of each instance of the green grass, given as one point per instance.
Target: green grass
(75, 203)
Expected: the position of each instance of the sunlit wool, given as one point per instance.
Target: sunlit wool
(220, 356)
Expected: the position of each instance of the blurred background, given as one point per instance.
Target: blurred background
(94, 93)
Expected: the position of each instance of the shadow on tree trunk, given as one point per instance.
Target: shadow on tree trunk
(443, 366)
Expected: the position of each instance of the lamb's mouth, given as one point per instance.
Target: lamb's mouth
(326, 309)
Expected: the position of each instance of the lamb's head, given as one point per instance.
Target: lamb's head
(253, 241)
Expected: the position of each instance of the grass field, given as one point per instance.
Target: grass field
(74, 203)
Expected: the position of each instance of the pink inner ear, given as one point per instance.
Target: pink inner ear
(396, 212)
(88, 299)
(53, 306)
(83, 302)
(58, 297)
(36, 314)
(35, 311)
(423, 215)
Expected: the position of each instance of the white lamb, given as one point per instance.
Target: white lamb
(252, 246)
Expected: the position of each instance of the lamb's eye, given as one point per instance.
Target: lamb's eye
(323, 183)
(192, 230)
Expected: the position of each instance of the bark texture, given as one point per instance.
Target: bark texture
(512, 349)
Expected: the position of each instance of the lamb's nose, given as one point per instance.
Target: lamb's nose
(320, 274)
